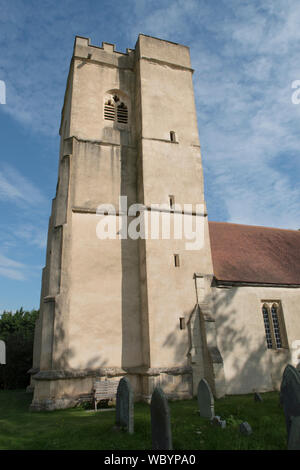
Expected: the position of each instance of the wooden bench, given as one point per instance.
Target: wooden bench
(104, 390)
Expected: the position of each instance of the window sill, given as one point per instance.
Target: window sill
(279, 350)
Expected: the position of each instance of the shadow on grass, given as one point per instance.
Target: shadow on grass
(77, 428)
(266, 420)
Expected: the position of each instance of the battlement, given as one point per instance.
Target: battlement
(104, 54)
(147, 47)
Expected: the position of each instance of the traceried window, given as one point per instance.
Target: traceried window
(274, 325)
(267, 326)
(115, 110)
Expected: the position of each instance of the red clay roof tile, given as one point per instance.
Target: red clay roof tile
(246, 253)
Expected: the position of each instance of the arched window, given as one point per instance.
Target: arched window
(275, 320)
(115, 110)
(274, 325)
(265, 311)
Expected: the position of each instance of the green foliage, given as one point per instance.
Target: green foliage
(17, 330)
(233, 421)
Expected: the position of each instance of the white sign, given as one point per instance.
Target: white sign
(2, 352)
(295, 352)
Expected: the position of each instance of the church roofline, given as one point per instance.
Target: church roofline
(255, 255)
(226, 284)
(254, 226)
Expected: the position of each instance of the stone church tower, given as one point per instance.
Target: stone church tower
(132, 307)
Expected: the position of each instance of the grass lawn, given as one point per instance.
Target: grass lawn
(80, 429)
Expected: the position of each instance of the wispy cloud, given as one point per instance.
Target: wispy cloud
(23, 232)
(31, 234)
(17, 188)
(245, 56)
(248, 124)
(35, 69)
(12, 269)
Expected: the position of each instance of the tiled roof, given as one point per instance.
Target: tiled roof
(250, 254)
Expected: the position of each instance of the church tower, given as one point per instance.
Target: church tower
(135, 306)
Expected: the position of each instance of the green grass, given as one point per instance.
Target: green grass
(80, 429)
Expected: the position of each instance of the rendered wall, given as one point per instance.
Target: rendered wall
(169, 168)
(248, 364)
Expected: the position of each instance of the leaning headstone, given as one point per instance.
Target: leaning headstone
(258, 397)
(217, 421)
(125, 406)
(160, 421)
(294, 439)
(245, 428)
(205, 400)
(2, 352)
(290, 395)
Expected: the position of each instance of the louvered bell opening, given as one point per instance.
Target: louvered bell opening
(122, 114)
(109, 112)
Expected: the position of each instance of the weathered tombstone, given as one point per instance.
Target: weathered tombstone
(245, 428)
(125, 406)
(294, 439)
(258, 397)
(290, 395)
(205, 400)
(160, 421)
(2, 352)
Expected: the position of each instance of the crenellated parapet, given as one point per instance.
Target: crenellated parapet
(106, 54)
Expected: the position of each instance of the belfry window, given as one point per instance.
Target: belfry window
(109, 111)
(122, 113)
(115, 110)
(274, 325)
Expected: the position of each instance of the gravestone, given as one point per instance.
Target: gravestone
(217, 421)
(160, 421)
(245, 428)
(2, 352)
(294, 439)
(205, 400)
(290, 395)
(125, 406)
(258, 397)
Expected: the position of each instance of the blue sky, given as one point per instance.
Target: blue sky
(246, 57)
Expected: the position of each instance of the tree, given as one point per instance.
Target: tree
(17, 330)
